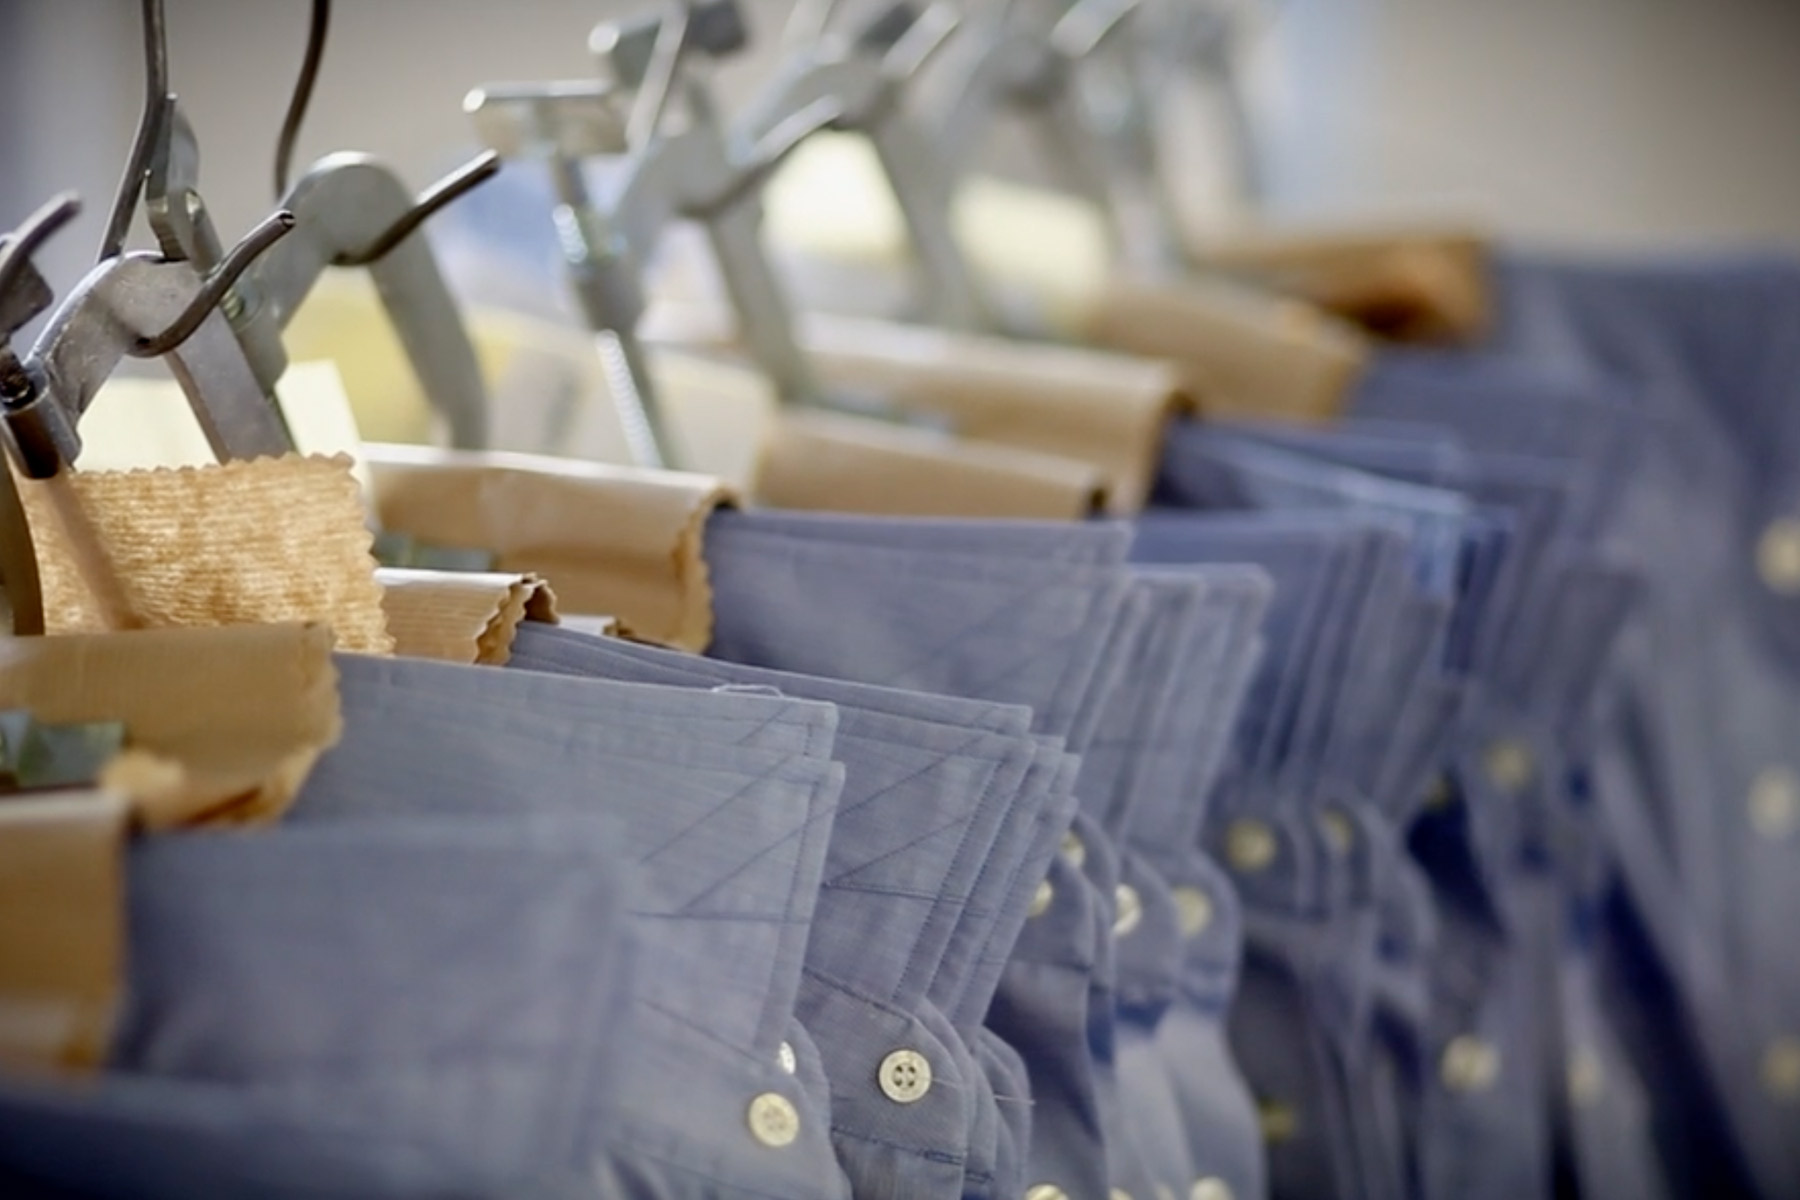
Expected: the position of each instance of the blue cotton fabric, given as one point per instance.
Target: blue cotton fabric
(729, 844)
(311, 1012)
(912, 847)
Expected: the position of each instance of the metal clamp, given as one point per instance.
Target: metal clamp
(868, 75)
(23, 295)
(698, 171)
(665, 172)
(122, 306)
(1076, 71)
(347, 211)
(351, 210)
(563, 124)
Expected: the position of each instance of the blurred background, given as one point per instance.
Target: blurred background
(1583, 122)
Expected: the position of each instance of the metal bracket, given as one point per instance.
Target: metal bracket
(24, 294)
(346, 209)
(867, 76)
(693, 170)
(120, 304)
(185, 231)
(1077, 73)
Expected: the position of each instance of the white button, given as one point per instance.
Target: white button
(905, 1076)
(785, 1056)
(1278, 1122)
(1040, 899)
(1117, 1194)
(773, 1121)
(1074, 849)
(1046, 1191)
(1510, 765)
(1250, 845)
(1781, 1069)
(1195, 910)
(1130, 910)
(1775, 803)
(1586, 1077)
(1340, 834)
(1469, 1065)
(1211, 1188)
(1164, 1192)
(1778, 556)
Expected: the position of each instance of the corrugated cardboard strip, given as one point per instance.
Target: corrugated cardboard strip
(221, 724)
(1241, 353)
(464, 617)
(62, 928)
(615, 540)
(1106, 410)
(1413, 286)
(828, 462)
(261, 541)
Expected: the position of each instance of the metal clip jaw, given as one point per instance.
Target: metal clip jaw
(24, 294)
(1203, 37)
(699, 171)
(121, 305)
(185, 231)
(627, 50)
(351, 210)
(132, 305)
(867, 76)
(137, 305)
(1107, 105)
(1076, 72)
(667, 171)
(562, 125)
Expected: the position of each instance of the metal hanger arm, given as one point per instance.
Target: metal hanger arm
(103, 321)
(345, 205)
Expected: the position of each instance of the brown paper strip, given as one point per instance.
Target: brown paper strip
(616, 540)
(262, 541)
(835, 463)
(1241, 353)
(1408, 285)
(1107, 410)
(221, 725)
(464, 617)
(62, 927)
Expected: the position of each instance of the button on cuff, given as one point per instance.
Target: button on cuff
(905, 1076)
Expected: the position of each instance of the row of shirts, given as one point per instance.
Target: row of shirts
(1403, 808)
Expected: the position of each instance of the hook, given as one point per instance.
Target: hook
(149, 128)
(302, 95)
(628, 51)
(770, 152)
(909, 52)
(452, 186)
(16, 272)
(1084, 27)
(18, 247)
(806, 24)
(666, 53)
(464, 179)
(213, 288)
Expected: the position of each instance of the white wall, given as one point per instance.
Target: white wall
(1570, 120)
(1565, 119)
